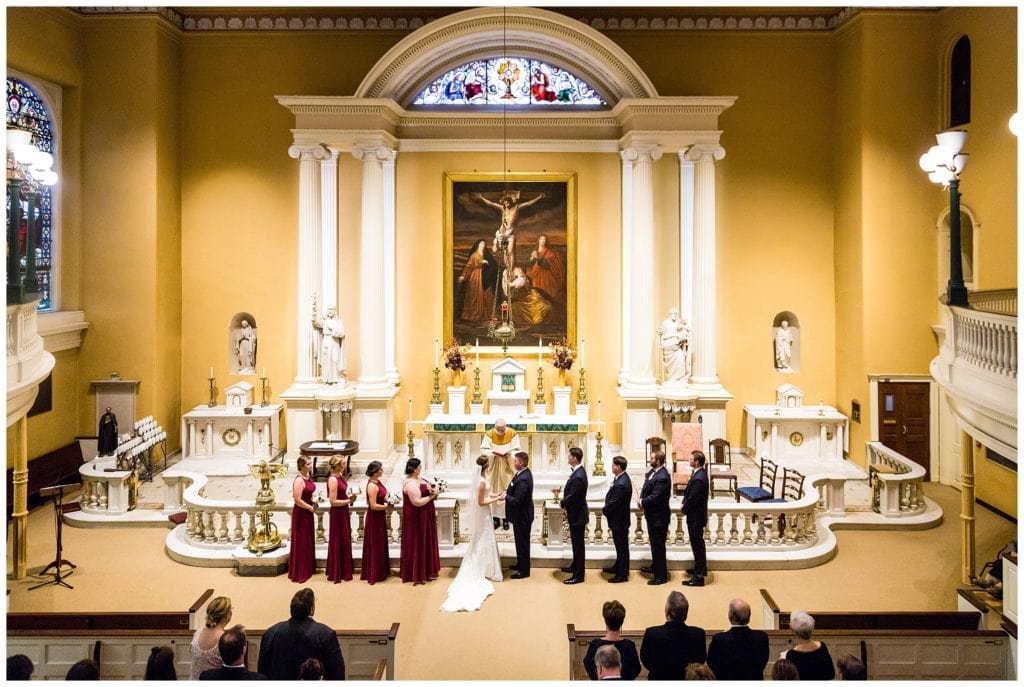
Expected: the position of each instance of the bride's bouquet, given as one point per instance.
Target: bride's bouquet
(438, 486)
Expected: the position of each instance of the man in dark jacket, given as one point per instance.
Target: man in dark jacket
(695, 508)
(232, 648)
(287, 645)
(739, 653)
(519, 510)
(654, 498)
(574, 503)
(616, 511)
(667, 649)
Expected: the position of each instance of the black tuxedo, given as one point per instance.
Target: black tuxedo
(519, 511)
(616, 510)
(287, 645)
(226, 673)
(738, 654)
(577, 515)
(695, 508)
(667, 649)
(654, 498)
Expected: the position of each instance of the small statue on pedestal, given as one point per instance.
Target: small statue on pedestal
(675, 347)
(107, 443)
(331, 352)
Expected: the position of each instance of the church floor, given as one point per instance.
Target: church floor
(127, 570)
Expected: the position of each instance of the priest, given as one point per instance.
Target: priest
(500, 443)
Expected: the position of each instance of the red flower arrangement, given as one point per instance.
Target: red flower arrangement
(453, 356)
(562, 355)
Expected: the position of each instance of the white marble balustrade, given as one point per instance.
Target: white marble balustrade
(899, 493)
(986, 341)
(105, 489)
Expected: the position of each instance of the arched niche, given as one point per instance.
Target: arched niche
(786, 342)
(422, 56)
(242, 344)
(969, 233)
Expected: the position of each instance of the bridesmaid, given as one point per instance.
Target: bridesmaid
(421, 560)
(375, 565)
(339, 546)
(302, 558)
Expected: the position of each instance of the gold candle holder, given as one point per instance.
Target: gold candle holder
(263, 391)
(477, 397)
(409, 443)
(539, 398)
(581, 392)
(213, 392)
(436, 397)
(598, 462)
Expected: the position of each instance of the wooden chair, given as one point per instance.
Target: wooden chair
(719, 452)
(766, 488)
(792, 486)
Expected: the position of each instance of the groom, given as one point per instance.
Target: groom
(519, 511)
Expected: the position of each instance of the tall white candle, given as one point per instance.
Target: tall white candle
(211, 373)
(478, 352)
(540, 345)
(436, 352)
(583, 353)
(410, 407)
(264, 372)
(598, 410)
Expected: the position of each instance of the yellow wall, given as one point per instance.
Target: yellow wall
(994, 484)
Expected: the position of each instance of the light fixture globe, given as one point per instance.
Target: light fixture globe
(952, 142)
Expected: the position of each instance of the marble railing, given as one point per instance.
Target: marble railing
(897, 494)
(986, 341)
(998, 301)
(105, 489)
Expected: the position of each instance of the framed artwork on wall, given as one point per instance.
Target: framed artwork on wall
(510, 241)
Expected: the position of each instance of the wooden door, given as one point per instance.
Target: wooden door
(903, 420)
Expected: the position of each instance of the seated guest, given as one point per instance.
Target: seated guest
(286, 645)
(699, 671)
(667, 649)
(609, 663)
(739, 653)
(851, 668)
(784, 670)
(204, 643)
(19, 667)
(86, 669)
(811, 658)
(614, 614)
(233, 647)
(160, 665)
(312, 669)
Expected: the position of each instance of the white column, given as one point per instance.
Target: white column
(390, 333)
(372, 333)
(685, 237)
(309, 256)
(627, 272)
(328, 297)
(641, 275)
(705, 326)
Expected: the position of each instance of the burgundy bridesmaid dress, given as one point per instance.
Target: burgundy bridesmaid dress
(375, 565)
(339, 546)
(302, 558)
(421, 560)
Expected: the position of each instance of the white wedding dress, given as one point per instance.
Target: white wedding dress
(481, 564)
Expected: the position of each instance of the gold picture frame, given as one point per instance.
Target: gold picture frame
(542, 280)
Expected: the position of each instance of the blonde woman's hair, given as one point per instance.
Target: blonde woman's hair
(334, 462)
(218, 611)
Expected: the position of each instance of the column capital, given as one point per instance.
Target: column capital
(332, 158)
(704, 151)
(641, 153)
(308, 152)
(377, 152)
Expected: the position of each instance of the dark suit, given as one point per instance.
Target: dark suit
(695, 508)
(519, 511)
(667, 649)
(616, 510)
(654, 498)
(576, 514)
(287, 645)
(738, 654)
(226, 673)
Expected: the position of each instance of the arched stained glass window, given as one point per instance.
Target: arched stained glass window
(960, 83)
(26, 110)
(509, 80)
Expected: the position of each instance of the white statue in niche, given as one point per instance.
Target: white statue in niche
(332, 347)
(783, 347)
(675, 347)
(245, 349)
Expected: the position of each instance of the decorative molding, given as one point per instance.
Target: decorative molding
(63, 330)
(164, 12)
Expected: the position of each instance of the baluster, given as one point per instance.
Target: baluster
(904, 497)
(455, 524)
(101, 501)
(761, 535)
(198, 530)
(209, 527)
(719, 537)
(360, 530)
(545, 526)
(236, 535)
(251, 515)
(222, 531)
(190, 522)
(748, 536)
(639, 535)
(680, 529)
(320, 526)
(734, 532)
(598, 532)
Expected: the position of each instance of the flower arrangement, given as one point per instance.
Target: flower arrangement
(453, 358)
(438, 486)
(562, 355)
(353, 491)
(392, 499)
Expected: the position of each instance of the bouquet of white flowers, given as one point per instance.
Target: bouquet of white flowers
(438, 486)
(353, 491)
(392, 499)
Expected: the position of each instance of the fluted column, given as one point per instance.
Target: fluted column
(390, 333)
(705, 325)
(685, 237)
(627, 268)
(372, 319)
(967, 544)
(641, 254)
(309, 157)
(329, 232)
(19, 514)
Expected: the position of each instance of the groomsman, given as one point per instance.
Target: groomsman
(519, 509)
(654, 501)
(616, 510)
(695, 508)
(576, 513)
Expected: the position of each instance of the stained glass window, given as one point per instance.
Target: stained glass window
(509, 80)
(25, 110)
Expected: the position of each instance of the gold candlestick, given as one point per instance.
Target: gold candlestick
(539, 398)
(436, 397)
(263, 390)
(477, 398)
(581, 392)
(598, 463)
(213, 393)
(409, 442)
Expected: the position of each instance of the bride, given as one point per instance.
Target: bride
(481, 563)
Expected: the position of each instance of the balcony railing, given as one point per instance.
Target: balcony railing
(996, 301)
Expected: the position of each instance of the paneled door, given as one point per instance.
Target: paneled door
(903, 415)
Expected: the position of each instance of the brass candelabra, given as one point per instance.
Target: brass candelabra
(213, 392)
(409, 442)
(539, 398)
(436, 397)
(581, 392)
(598, 462)
(263, 390)
(477, 397)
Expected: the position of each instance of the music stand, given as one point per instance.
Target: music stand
(57, 492)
